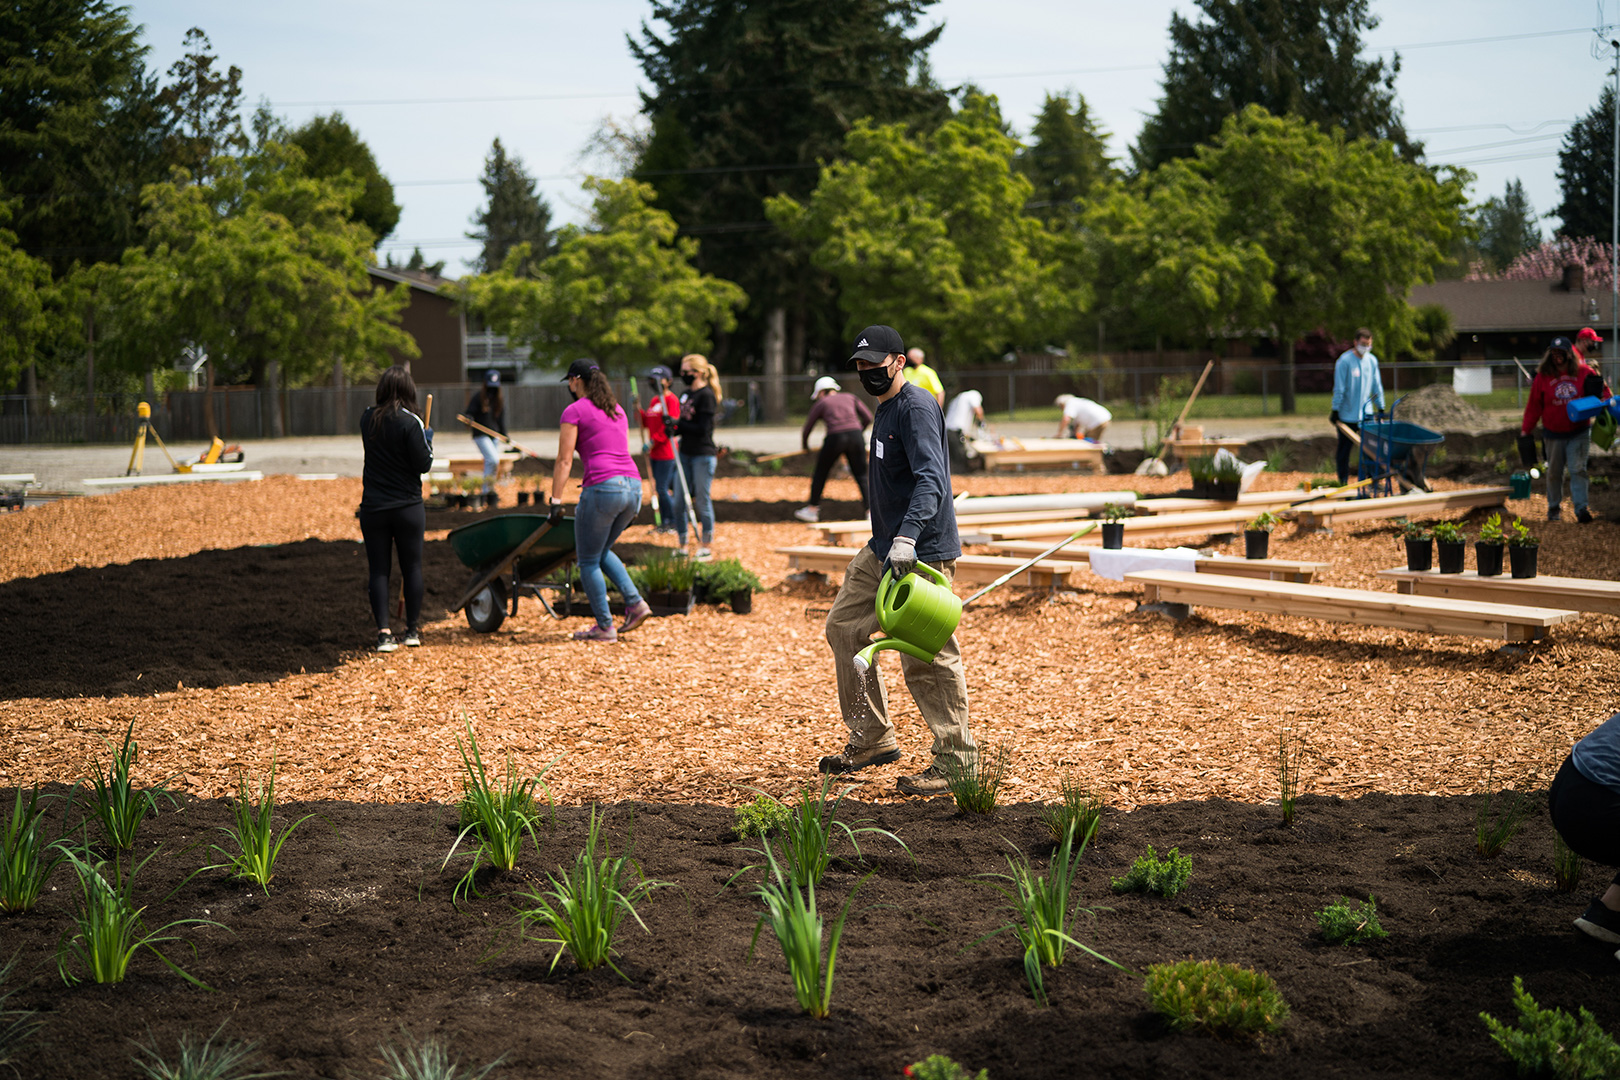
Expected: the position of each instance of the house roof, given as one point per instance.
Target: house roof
(416, 279)
(1498, 306)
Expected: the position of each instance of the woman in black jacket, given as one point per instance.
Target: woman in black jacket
(399, 449)
(486, 407)
(699, 456)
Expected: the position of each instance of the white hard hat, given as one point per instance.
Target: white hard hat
(826, 382)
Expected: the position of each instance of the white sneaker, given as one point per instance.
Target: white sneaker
(808, 513)
(704, 554)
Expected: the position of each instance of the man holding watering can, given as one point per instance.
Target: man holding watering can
(913, 520)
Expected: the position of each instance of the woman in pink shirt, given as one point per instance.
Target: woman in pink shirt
(609, 499)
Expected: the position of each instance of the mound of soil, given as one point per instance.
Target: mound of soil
(1439, 408)
(360, 941)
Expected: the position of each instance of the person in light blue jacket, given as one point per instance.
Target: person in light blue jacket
(1357, 394)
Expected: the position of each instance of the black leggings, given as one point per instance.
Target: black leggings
(853, 448)
(384, 531)
(1586, 815)
(1341, 456)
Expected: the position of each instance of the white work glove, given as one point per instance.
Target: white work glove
(902, 557)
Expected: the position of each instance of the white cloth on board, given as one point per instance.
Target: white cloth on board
(1114, 564)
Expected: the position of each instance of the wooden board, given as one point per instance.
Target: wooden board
(170, 478)
(1040, 452)
(1331, 511)
(970, 569)
(474, 467)
(1191, 448)
(1264, 569)
(1581, 594)
(1252, 500)
(1434, 615)
(1161, 525)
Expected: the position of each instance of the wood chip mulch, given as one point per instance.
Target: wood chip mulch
(692, 708)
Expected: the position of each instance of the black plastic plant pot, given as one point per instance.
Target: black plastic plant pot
(1256, 543)
(1113, 535)
(742, 601)
(1488, 557)
(1523, 561)
(1453, 555)
(1419, 554)
(670, 603)
(523, 498)
(1224, 490)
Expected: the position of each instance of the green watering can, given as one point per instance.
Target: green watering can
(918, 616)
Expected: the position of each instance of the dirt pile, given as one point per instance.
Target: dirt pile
(1438, 408)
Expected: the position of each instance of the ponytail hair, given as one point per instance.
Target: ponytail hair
(600, 392)
(706, 371)
(396, 390)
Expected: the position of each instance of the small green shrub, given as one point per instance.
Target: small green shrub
(1159, 877)
(1264, 522)
(1551, 1042)
(1201, 469)
(1223, 999)
(1448, 532)
(1414, 530)
(1277, 458)
(1567, 866)
(1080, 809)
(1117, 511)
(976, 783)
(1491, 531)
(205, 1060)
(761, 817)
(663, 573)
(940, 1067)
(1227, 469)
(1519, 535)
(722, 577)
(1350, 922)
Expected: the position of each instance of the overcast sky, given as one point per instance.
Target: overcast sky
(422, 81)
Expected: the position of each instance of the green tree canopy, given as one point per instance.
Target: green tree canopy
(622, 291)
(24, 283)
(1346, 225)
(1067, 158)
(260, 265)
(206, 105)
(1293, 57)
(1586, 172)
(1507, 227)
(514, 214)
(331, 148)
(928, 233)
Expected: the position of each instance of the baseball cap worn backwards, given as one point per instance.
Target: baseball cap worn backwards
(874, 344)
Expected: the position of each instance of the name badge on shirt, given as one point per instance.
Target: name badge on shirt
(877, 448)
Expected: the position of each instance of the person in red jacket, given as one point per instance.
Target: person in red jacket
(663, 405)
(1586, 339)
(1562, 378)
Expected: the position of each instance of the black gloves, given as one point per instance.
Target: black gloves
(556, 514)
(1527, 451)
(1333, 417)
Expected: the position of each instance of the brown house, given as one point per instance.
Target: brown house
(1500, 320)
(434, 321)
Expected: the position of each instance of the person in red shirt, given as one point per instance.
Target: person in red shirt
(662, 404)
(1585, 339)
(1561, 378)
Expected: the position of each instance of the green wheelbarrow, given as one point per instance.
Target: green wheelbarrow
(510, 555)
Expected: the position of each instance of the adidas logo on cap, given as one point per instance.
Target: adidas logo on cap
(861, 343)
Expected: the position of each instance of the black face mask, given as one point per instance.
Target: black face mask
(688, 379)
(876, 381)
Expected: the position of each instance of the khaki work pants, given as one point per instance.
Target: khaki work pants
(939, 689)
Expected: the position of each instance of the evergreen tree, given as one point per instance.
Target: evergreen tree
(330, 148)
(1507, 227)
(1293, 57)
(1066, 159)
(1586, 172)
(515, 213)
(206, 106)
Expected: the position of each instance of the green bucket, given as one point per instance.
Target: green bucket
(1520, 482)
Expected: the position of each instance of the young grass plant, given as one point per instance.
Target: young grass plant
(1493, 828)
(1164, 877)
(584, 907)
(791, 913)
(1223, 999)
(428, 1059)
(17, 1026)
(1040, 907)
(1290, 754)
(497, 817)
(976, 783)
(115, 803)
(108, 929)
(26, 857)
(204, 1060)
(257, 845)
(1551, 1042)
(1567, 866)
(808, 831)
(1079, 809)
(1350, 922)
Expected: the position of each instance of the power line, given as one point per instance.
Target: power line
(1480, 40)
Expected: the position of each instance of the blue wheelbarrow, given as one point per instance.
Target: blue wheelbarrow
(1395, 449)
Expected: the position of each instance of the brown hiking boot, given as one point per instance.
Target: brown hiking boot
(855, 757)
(931, 781)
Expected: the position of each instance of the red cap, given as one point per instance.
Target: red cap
(1586, 333)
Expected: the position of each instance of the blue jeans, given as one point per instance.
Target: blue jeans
(671, 504)
(604, 511)
(700, 477)
(486, 447)
(1570, 449)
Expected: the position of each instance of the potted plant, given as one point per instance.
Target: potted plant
(523, 493)
(1522, 547)
(1419, 545)
(1488, 548)
(1202, 472)
(1228, 476)
(1257, 535)
(728, 581)
(665, 583)
(1451, 545)
(1113, 529)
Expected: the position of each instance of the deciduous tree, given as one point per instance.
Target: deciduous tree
(23, 285)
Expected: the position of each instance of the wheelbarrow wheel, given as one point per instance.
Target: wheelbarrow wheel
(487, 609)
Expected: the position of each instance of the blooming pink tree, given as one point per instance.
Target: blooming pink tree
(1547, 262)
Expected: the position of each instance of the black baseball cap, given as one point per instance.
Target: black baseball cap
(581, 369)
(875, 344)
(661, 372)
(1561, 343)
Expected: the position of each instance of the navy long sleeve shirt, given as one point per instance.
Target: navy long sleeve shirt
(910, 477)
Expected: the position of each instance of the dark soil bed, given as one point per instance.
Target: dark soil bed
(360, 941)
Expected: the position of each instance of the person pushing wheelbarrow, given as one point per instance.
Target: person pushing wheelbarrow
(913, 519)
